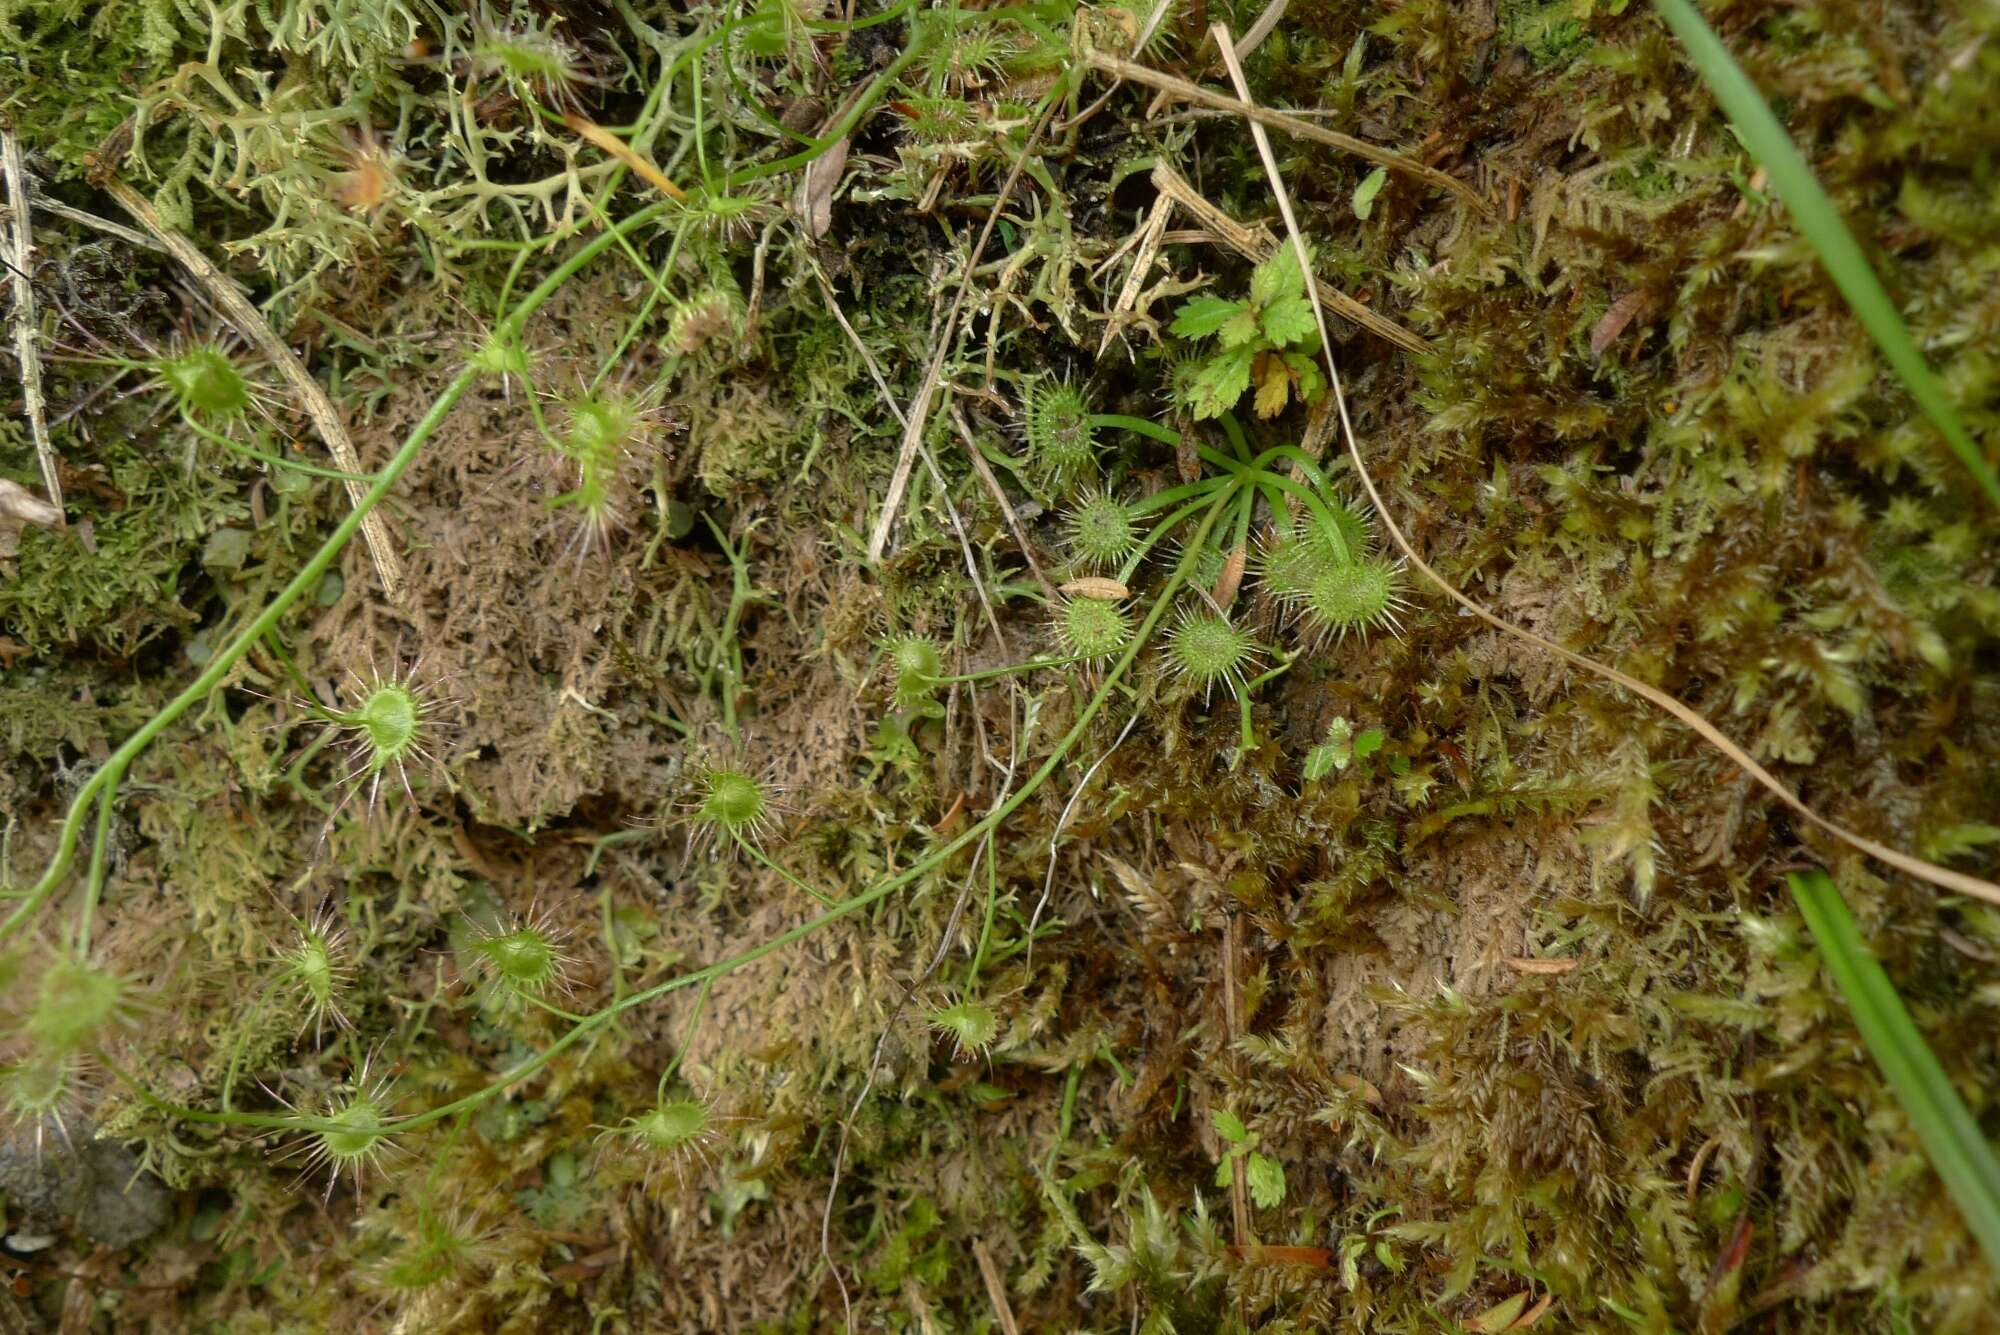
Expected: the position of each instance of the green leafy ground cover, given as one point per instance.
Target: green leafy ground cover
(670, 911)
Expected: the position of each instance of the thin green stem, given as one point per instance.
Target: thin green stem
(758, 856)
(687, 1037)
(99, 849)
(305, 582)
(1031, 665)
(1139, 425)
(1173, 495)
(249, 452)
(1167, 525)
(978, 960)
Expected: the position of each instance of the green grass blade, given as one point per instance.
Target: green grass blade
(1816, 216)
(1951, 1137)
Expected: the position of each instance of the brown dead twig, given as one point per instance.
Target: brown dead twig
(254, 327)
(1257, 244)
(21, 234)
(1261, 117)
(1943, 877)
(996, 1288)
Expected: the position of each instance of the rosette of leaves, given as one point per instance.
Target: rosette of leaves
(1269, 341)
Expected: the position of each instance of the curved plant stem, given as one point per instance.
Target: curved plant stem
(758, 856)
(307, 580)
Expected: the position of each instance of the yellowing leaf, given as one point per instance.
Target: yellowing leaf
(1273, 389)
(1219, 382)
(1499, 1316)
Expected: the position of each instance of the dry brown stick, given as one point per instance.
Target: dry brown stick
(255, 328)
(1278, 120)
(1943, 877)
(996, 1290)
(931, 464)
(1148, 237)
(130, 236)
(21, 229)
(1256, 244)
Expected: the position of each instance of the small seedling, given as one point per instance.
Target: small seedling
(358, 1137)
(1092, 628)
(915, 666)
(1208, 650)
(389, 730)
(525, 961)
(45, 1092)
(1270, 340)
(730, 803)
(1103, 531)
(970, 1025)
(1359, 597)
(316, 968)
(1062, 440)
(205, 382)
(74, 1004)
(674, 1136)
(606, 439)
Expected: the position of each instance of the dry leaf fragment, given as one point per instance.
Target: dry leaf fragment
(1528, 964)
(1535, 1313)
(1623, 312)
(1501, 1316)
(19, 508)
(1096, 586)
(1231, 578)
(816, 190)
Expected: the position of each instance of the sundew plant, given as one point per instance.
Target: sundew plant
(1082, 664)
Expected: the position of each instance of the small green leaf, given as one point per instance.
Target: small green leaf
(1951, 1136)
(1305, 372)
(1364, 194)
(1240, 329)
(1267, 1181)
(1368, 743)
(1203, 316)
(1320, 761)
(1276, 277)
(1950, 843)
(1289, 320)
(1229, 1126)
(1219, 382)
(1335, 752)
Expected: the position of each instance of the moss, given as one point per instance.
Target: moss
(1511, 964)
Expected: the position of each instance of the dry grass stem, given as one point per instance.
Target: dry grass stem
(1944, 878)
(253, 326)
(1278, 120)
(27, 331)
